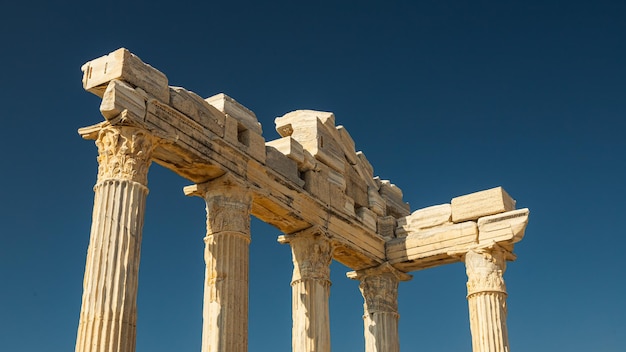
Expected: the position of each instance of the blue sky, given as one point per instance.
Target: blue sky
(444, 97)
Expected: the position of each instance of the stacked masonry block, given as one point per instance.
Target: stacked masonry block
(440, 232)
(313, 154)
(325, 163)
(128, 86)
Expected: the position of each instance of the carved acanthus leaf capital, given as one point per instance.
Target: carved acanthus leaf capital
(379, 287)
(312, 253)
(485, 269)
(226, 213)
(228, 204)
(380, 294)
(124, 153)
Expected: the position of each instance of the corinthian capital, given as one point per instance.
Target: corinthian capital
(124, 153)
(228, 204)
(379, 286)
(485, 269)
(312, 253)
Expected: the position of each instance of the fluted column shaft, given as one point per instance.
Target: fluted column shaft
(226, 254)
(108, 316)
(379, 287)
(312, 254)
(486, 296)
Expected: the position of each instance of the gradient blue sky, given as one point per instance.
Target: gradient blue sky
(444, 97)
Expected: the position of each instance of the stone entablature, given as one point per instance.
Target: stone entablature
(440, 234)
(312, 184)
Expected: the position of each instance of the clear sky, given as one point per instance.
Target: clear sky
(444, 97)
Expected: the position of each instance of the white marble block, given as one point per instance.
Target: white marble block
(508, 226)
(196, 108)
(233, 108)
(475, 205)
(426, 218)
(120, 96)
(393, 197)
(348, 145)
(125, 66)
(316, 131)
(285, 166)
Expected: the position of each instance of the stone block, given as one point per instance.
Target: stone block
(288, 147)
(428, 217)
(356, 188)
(339, 200)
(403, 229)
(337, 192)
(120, 96)
(377, 203)
(253, 144)
(196, 108)
(124, 66)
(365, 165)
(434, 242)
(475, 205)
(283, 165)
(327, 185)
(386, 227)
(230, 106)
(504, 227)
(246, 140)
(286, 124)
(316, 131)
(294, 150)
(337, 179)
(393, 198)
(231, 131)
(349, 206)
(348, 145)
(316, 183)
(367, 217)
(171, 120)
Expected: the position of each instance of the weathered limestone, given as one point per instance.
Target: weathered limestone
(475, 205)
(125, 66)
(312, 253)
(232, 108)
(393, 197)
(317, 133)
(379, 287)
(486, 296)
(108, 314)
(225, 309)
(283, 165)
(120, 96)
(311, 184)
(434, 236)
(425, 218)
(428, 247)
(198, 109)
(204, 138)
(508, 227)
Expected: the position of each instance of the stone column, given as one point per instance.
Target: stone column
(108, 315)
(379, 287)
(312, 253)
(486, 296)
(226, 254)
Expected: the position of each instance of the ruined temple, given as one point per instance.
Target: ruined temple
(312, 184)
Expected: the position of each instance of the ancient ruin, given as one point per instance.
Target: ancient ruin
(311, 184)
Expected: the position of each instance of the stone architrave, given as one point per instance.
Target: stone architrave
(312, 254)
(310, 184)
(486, 296)
(379, 287)
(226, 284)
(108, 314)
